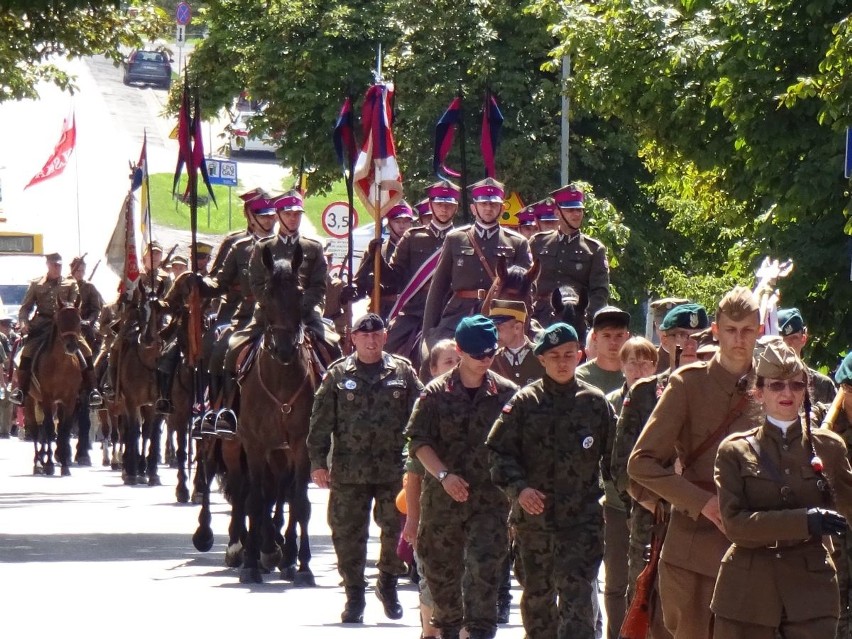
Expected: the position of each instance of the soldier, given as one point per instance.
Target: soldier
(527, 224)
(423, 209)
(514, 359)
(570, 258)
(7, 338)
(610, 329)
(43, 298)
(180, 265)
(413, 263)
(466, 269)
(791, 327)
(153, 280)
(399, 220)
(335, 311)
(780, 485)
(359, 411)
(549, 448)
(546, 217)
(658, 310)
(203, 251)
(462, 538)
(701, 404)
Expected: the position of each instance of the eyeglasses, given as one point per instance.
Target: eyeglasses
(779, 387)
(482, 357)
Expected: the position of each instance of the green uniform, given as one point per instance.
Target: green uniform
(462, 544)
(578, 261)
(461, 281)
(554, 438)
(362, 409)
(820, 387)
(42, 299)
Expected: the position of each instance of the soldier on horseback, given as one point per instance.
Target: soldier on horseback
(44, 296)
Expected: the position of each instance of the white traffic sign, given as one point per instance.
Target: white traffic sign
(180, 35)
(183, 14)
(335, 219)
(221, 171)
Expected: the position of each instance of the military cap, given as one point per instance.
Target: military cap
(8, 319)
(553, 336)
(54, 258)
(444, 191)
(487, 190)
(527, 217)
(685, 316)
(738, 304)
(844, 372)
(790, 321)
(78, 261)
(203, 249)
(545, 210)
(400, 210)
(569, 196)
(180, 259)
(260, 206)
(290, 201)
(476, 335)
(155, 246)
(504, 310)
(368, 323)
(252, 194)
(611, 316)
(662, 306)
(777, 360)
(706, 342)
(423, 208)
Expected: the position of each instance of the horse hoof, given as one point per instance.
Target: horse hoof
(154, 480)
(130, 480)
(141, 480)
(182, 494)
(37, 469)
(251, 576)
(270, 560)
(304, 579)
(234, 555)
(202, 539)
(115, 466)
(49, 468)
(65, 472)
(83, 460)
(196, 498)
(105, 463)
(288, 573)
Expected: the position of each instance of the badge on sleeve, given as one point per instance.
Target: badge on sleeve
(588, 442)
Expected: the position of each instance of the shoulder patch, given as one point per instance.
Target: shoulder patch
(507, 408)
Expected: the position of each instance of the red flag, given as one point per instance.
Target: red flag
(184, 132)
(58, 160)
(445, 133)
(492, 122)
(376, 165)
(198, 163)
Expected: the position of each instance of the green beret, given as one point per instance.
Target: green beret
(844, 373)
(553, 336)
(476, 335)
(790, 321)
(685, 316)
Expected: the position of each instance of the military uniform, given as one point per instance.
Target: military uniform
(555, 438)
(461, 281)
(44, 297)
(696, 402)
(820, 387)
(232, 297)
(364, 279)
(91, 304)
(462, 544)
(776, 574)
(842, 555)
(362, 409)
(520, 365)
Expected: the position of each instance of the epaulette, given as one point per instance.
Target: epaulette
(401, 358)
(236, 233)
(337, 361)
(695, 366)
(591, 240)
(248, 239)
(311, 240)
(463, 227)
(512, 233)
(744, 434)
(541, 234)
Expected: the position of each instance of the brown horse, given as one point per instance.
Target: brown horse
(275, 405)
(57, 376)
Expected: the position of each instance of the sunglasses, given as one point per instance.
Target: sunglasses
(778, 387)
(483, 356)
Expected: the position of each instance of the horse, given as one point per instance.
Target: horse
(56, 381)
(137, 351)
(277, 394)
(514, 283)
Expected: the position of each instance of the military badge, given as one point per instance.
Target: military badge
(693, 320)
(553, 338)
(350, 384)
(350, 396)
(396, 394)
(588, 442)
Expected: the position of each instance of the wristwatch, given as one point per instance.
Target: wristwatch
(442, 475)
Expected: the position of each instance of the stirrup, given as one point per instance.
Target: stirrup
(226, 423)
(95, 399)
(17, 397)
(195, 431)
(208, 424)
(164, 406)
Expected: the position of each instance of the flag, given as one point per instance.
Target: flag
(123, 250)
(344, 136)
(445, 133)
(184, 136)
(140, 183)
(492, 122)
(377, 180)
(58, 160)
(198, 162)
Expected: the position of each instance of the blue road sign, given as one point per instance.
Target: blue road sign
(848, 170)
(183, 14)
(222, 172)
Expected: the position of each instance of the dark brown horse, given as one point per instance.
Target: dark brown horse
(57, 376)
(516, 283)
(276, 399)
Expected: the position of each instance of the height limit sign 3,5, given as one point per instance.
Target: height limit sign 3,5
(335, 219)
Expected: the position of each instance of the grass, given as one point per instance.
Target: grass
(173, 213)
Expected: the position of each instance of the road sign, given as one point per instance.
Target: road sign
(180, 35)
(335, 219)
(183, 14)
(222, 171)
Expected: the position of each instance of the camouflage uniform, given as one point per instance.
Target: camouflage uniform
(462, 544)
(555, 438)
(363, 409)
(820, 387)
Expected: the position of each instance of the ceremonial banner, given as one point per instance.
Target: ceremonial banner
(445, 133)
(123, 250)
(343, 136)
(58, 160)
(492, 122)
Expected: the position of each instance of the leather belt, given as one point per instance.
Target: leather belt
(470, 294)
(781, 544)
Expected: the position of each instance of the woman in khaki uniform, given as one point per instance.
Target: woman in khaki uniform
(780, 485)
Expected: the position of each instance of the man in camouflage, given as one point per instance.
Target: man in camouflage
(359, 413)
(462, 538)
(43, 298)
(549, 448)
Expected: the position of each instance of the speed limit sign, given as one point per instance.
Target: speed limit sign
(335, 219)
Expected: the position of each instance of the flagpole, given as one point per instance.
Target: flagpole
(463, 150)
(77, 194)
(377, 254)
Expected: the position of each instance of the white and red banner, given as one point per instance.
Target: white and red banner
(58, 160)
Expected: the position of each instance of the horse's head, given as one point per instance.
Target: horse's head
(513, 283)
(68, 326)
(564, 301)
(281, 301)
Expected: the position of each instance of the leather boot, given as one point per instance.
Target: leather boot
(477, 633)
(95, 399)
(108, 386)
(353, 611)
(17, 396)
(386, 592)
(503, 610)
(163, 404)
(450, 632)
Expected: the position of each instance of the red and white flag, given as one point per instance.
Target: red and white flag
(377, 180)
(58, 160)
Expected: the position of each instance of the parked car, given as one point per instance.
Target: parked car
(148, 67)
(242, 139)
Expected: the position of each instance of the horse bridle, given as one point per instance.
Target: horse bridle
(287, 407)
